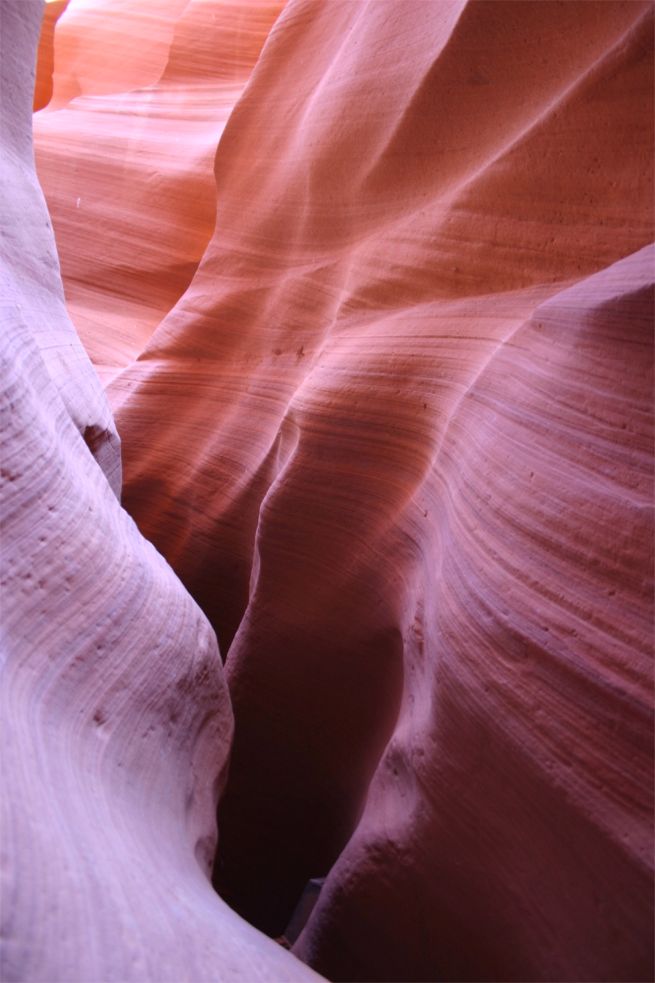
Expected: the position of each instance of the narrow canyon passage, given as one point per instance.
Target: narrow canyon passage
(365, 288)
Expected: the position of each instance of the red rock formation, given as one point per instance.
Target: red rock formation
(113, 47)
(511, 814)
(395, 440)
(142, 93)
(116, 721)
(46, 51)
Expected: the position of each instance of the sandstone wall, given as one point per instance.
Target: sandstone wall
(396, 440)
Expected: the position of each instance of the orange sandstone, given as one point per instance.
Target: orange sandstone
(125, 150)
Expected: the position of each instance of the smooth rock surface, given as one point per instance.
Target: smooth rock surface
(396, 440)
(45, 61)
(116, 720)
(124, 152)
(508, 831)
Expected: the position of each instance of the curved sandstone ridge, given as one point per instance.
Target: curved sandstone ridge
(515, 798)
(396, 440)
(124, 151)
(116, 718)
(45, 61)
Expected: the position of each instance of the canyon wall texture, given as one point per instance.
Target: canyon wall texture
(125, 150)
(384, 387)
(116, 720)
(45, 61)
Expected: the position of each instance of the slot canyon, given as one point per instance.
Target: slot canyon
(327, 491)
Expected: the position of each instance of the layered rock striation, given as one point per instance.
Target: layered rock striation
(396, 440)
(125, 149)
(116, 720)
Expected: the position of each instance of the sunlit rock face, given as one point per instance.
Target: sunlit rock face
(125, 150)
(46, 53)
(116, 720)
(396, 440)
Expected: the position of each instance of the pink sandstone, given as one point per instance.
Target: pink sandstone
(116, 720)
(395, 438)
